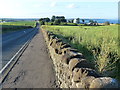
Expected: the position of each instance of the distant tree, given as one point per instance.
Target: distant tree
(53, 18)
(91, 22)
(69, 21)
(41, 19)
(83, 20)
(63, 20)
(2, 20)
(78, 20)
(42, 22)
(72, 20)
(47, 20)
(60, 17)
(57, 22)
(107, 23)
(51, 23)
(95, 23)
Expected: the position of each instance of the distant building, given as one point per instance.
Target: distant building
(93, 24)
(74, 21)
(77, 21)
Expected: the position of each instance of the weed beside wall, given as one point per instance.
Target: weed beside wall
(99, 44)
(71, 67)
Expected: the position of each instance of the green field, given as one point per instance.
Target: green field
(13, 26)
(20, 23)
(99, 44)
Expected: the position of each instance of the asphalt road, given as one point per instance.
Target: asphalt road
(34, 68)
(13, 41)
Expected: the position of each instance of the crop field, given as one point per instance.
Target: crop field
(13, 26)
(20, 23)
(99, 44)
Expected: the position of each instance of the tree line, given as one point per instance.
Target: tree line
(61, 20)
(55, 20)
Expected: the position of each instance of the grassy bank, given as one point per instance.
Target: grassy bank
(14, 26)
(20, 23)
(99, 44)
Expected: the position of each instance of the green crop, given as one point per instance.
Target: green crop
(99, 44)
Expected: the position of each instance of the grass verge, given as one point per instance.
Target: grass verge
(99, 44)
(14, 26)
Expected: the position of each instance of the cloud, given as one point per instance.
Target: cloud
(53, 4)
(71, 6)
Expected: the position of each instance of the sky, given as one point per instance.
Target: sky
(99, 9)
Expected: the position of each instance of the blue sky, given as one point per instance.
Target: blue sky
(103, 9)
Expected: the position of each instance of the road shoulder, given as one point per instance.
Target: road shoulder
(34, 68)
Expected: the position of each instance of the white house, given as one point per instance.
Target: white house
(74, 21)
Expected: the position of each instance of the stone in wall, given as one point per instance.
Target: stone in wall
(72, 69)
(73, 63)
(104, 82)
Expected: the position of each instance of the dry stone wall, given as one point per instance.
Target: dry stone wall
(71, 67)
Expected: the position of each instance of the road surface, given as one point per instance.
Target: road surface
(34, 68)
(13, 41)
